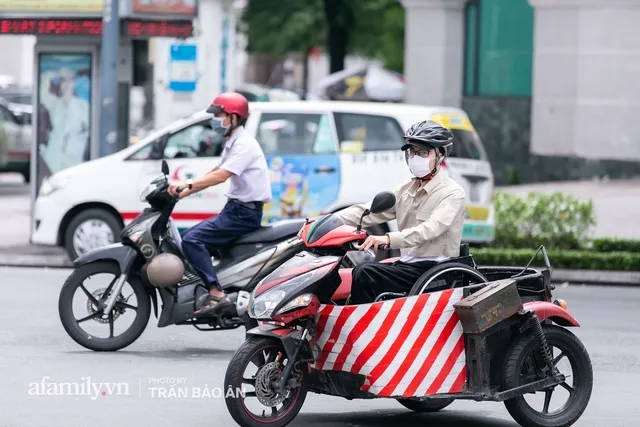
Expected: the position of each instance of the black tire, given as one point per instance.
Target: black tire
(233, 379)
(428, 405)
(65, 309)
(582, 375)
(430, 277)
(96, 214)
(26, 174)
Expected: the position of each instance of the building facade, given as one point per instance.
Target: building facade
(549, 84)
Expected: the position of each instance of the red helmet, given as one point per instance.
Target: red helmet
(230, 103)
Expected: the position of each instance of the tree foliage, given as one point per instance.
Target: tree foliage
(373, 28)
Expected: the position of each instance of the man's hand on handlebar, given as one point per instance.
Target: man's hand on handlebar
(178, 189)
(376, 242)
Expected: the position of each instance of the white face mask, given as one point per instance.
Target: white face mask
(419, 166)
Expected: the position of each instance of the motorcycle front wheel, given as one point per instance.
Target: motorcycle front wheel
(95, 315)
(265, 359)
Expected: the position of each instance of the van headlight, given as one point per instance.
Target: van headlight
(51, 184)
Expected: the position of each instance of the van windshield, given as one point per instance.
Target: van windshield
(467, 145)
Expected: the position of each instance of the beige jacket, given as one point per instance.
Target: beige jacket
(430, 218)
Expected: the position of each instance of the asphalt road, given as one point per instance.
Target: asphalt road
(33, 345)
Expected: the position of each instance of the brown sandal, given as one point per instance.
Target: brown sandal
(212, 304)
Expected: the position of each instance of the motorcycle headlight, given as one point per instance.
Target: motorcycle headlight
(298, 302)
(262, 307)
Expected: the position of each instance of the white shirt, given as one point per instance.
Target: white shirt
(430, 218)
(244, 158)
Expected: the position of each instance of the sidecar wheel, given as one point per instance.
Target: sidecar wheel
(262, 352)
(520, 364)
(429, 405)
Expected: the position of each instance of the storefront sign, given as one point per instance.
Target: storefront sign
(93, 27)
(49, 7)
(146, 29)
(165, 7)
(49, 27)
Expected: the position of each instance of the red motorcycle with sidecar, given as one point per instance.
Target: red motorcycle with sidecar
(462, 332)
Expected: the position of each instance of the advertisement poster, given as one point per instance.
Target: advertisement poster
(64, 112)
(49, 7)
(297, 190)
(166, 7)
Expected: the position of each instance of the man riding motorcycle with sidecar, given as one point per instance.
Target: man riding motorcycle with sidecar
(430, 214)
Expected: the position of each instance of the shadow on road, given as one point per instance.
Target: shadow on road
(404, 418)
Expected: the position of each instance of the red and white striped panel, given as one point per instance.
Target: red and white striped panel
(404, 347)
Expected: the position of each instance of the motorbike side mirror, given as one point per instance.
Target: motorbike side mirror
(165, 167)
(382, 202)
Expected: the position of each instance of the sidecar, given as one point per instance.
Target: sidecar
(492, 334)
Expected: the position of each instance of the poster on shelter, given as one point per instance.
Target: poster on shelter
(64, 111)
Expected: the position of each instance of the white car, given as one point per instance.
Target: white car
(323, 156)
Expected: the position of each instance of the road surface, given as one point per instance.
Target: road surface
(33, 346)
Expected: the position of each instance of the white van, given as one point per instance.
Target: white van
(323, 156)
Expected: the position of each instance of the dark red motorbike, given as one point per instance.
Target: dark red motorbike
(462, 332)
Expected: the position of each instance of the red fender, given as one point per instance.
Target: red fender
(344, 290)
(548, 310)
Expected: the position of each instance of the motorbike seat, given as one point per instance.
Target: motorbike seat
(273, 232)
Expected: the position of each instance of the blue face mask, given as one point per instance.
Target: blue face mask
(216, 125)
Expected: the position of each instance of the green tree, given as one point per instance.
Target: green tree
(369, 27)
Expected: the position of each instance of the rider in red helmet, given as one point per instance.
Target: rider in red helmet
(243, 163)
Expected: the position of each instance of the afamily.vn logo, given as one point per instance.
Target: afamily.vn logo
(85, 387)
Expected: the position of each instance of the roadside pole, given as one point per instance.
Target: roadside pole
(109, 55)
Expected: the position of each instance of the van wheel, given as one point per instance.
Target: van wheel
(91, 229)
(26, 174)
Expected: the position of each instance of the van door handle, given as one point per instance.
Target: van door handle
(325, 169)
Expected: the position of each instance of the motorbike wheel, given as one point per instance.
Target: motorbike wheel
(429, 405)
(79, 335)
(262, 352)
(524, 356)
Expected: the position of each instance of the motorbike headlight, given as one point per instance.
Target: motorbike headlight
(51, 184)
(262, 307)
(298, 302)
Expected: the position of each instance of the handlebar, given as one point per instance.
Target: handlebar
(358, 247)
(179, 190)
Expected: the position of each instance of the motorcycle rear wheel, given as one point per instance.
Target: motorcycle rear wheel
(521, 353)
(259, 350)
(79, 335)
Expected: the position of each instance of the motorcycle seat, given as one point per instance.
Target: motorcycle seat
(273, 232)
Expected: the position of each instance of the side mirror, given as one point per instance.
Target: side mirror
(383, 202)
(157, 149)
(165, 167)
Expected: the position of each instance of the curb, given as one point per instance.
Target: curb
(558, 275)
(37, 261)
